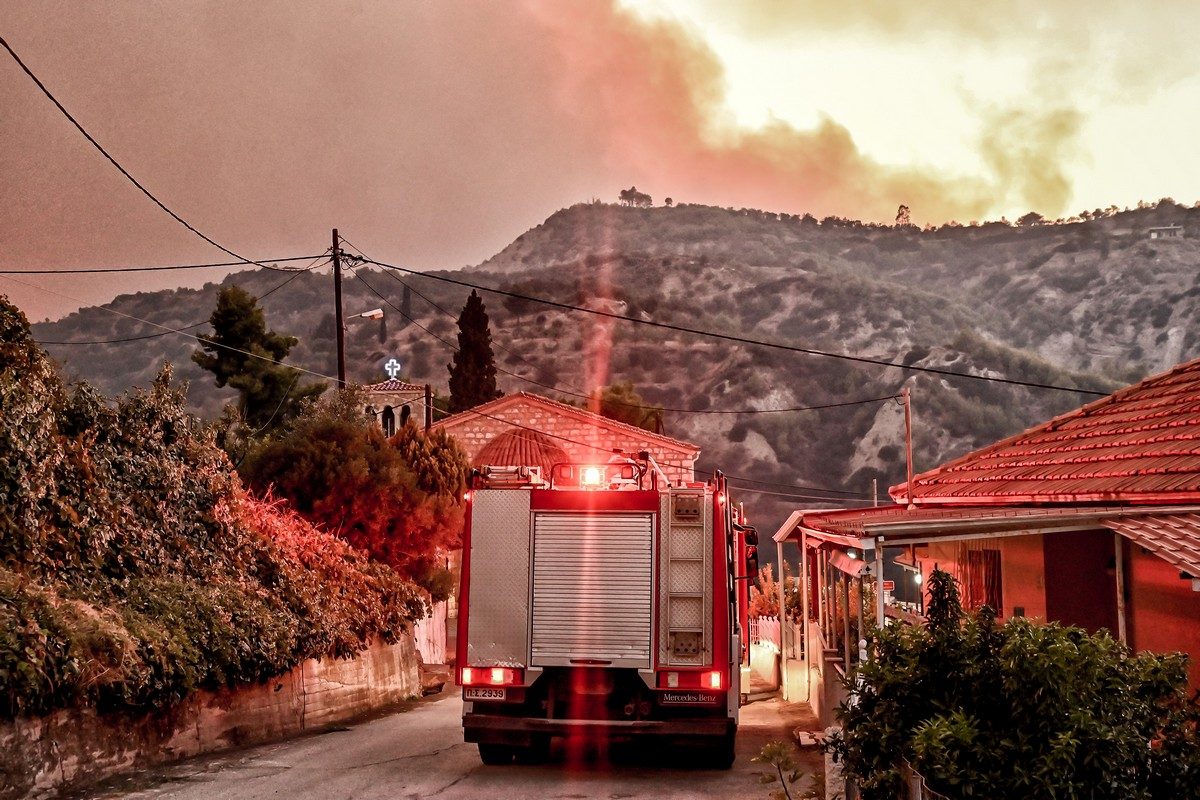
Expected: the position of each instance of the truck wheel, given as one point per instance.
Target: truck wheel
(537, 752)
(495, 755)
(724, 751)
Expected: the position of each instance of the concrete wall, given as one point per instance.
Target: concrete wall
(1022, 570)
(1163, 611)
(39, 757)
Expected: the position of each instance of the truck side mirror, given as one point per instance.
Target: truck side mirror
(751, 536)
(752, 560)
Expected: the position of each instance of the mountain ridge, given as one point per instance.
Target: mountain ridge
(1091, 304)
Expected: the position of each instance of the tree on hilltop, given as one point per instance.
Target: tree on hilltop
(473, 371)
(244, 355)
(632, 197)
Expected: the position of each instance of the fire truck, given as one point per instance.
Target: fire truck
(602, 603)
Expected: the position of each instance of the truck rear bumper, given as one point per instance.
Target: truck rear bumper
(518, 731)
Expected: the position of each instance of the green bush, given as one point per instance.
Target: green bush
(1020, 710)
(135, 569)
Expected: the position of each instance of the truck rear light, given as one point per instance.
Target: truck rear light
(490, 676)
(712, 680)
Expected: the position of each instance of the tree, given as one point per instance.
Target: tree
(1031, 219)
(620, 401)
(632, 197)
(473, 371)
(244, 355)
(668, 202)
(903, 218)
(1017, 710)
(400, 500)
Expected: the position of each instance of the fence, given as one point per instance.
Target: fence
(430, 634)
(915, 786)
(765, 630)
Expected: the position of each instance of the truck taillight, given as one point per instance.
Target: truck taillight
(712, 680)
(490, 676)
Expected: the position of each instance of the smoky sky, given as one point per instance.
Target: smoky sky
(430, 133)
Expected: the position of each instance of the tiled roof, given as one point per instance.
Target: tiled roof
(394, 385)
(492, 407)
(517, 447)
(1138, 445)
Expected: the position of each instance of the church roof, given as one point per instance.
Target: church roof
(518, 447)
(394, 385)
(504, 404)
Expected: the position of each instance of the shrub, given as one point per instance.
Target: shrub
(1020, 710)
(135, 569)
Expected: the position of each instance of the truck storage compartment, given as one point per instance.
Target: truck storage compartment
(592, 589)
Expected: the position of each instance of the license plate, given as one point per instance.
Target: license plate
(485, 694)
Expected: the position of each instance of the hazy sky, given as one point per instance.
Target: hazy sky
(432, 133)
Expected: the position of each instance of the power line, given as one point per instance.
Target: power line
(609, 451)
(104, 270)
(624, 404)
(738, 339)
(117, 164)
(578, 392)
(169, 329)
(296, 274)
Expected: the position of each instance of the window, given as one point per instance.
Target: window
(981, 582)
(389, 421)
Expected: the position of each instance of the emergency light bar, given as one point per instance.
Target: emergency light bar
(594, 476)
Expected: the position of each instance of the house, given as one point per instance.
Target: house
(394, 402)
(1166, 232)
(1090, 519)
(527, 429)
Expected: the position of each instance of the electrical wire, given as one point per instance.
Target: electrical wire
(624, 404)
(105, 270)
(738, 339)
(296, 273)
(577, 391)
(608, 451)
(169, 329)
(117, 164)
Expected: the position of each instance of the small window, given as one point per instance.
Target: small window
(389, 421)
(981, 580)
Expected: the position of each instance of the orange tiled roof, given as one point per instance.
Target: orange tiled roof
(1138, 445)
(517, 447)
(394, 385)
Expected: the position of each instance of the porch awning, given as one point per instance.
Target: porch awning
(1175, 538)
(851, 566)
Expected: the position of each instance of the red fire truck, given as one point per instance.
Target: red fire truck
(601, 603)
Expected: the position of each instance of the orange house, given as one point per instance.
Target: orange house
(1090, 519)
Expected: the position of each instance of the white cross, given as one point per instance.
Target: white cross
(392, 368)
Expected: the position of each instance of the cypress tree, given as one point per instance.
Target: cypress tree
(473, 371)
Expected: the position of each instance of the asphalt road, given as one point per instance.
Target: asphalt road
(419, 753)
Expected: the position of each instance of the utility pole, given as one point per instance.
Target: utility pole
(906, 399)
(337, 300)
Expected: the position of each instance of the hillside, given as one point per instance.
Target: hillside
(1091, 303)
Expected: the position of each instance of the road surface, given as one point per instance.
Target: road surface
(419, 753)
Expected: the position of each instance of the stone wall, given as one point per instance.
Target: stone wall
(40, 757)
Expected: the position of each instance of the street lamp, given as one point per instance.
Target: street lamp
(374, 313)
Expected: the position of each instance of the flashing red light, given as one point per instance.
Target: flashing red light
(721, 498)
(467, 496)
(713, 680)
(468, 676)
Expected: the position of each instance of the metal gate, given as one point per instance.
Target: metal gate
(592, 589)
